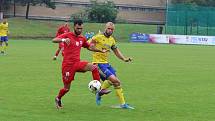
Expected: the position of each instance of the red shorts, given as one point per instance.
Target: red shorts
(68, 72)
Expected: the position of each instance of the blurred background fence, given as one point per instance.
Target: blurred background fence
(190, 20)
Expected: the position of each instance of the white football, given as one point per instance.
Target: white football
(94, 86)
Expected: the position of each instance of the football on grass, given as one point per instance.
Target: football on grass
(94, 86)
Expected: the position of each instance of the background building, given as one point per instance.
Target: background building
(133, 11)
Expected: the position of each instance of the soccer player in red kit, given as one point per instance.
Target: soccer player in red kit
(73, 42)
(61, 30)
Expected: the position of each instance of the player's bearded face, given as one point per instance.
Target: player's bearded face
(109, 30)
(78, 29)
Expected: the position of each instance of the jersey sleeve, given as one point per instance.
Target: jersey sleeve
(85, 43)
(65, 35)
(95, 38)
(60, 31)
(57, 34)
(1, 26)
(113, 44)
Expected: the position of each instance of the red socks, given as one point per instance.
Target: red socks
(57, 52)
(95, 73)
(62, 92)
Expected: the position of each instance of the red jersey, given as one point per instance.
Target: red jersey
(62, 30)
(72, 51)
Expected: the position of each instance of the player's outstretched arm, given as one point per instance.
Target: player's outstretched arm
(121, 56)
(92, 47)
(59, 40)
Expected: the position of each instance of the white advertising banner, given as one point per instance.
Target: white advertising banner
(203, 40)
(177, 39)
(186, 39)
(158, 38)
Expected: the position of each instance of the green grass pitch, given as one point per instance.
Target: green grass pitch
(163, 83)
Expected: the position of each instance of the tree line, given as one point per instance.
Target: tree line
(98, 12)
(6, 4)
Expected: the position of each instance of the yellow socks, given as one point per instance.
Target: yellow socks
(120, 95)
(106, 84)
(4, 48)
(1, 48)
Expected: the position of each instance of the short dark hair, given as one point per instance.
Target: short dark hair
(78, 21)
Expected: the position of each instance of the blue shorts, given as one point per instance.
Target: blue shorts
(106, 70)
(4, 39)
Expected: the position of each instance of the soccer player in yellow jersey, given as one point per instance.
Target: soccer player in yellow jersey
(3, 36)
(105, 41)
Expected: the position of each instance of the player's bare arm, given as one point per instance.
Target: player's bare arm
(120, 55)
(92, 47)
(59, 40)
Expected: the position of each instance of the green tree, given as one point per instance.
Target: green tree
(102, 11)
(28, 3)
(4, 5)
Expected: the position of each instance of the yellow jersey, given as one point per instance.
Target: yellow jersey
(3, 29)
(103, 42)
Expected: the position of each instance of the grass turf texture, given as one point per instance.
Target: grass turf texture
(163, 83)
(22, 28)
